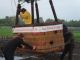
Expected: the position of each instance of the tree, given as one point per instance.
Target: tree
(49, 20)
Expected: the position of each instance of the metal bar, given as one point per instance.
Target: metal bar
(37, 12)
(16, 22)
(53, 10)
(32, 10)
(17, 13)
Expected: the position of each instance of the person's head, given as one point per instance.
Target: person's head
(20, 35)
(23, 10)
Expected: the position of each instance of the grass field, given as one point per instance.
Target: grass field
(7, 31)
(77, 36)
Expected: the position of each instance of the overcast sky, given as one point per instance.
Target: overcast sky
(65, 9)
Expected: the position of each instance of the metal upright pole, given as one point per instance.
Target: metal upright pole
(32, 10)
(37, 11)
(53, 10)
(17, 13)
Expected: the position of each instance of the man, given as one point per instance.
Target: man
(26, 17)
(23, 16)
(10, 47)
(69, 43)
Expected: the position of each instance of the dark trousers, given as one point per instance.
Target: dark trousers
(7, 54)
(9, 57)
(67, 50)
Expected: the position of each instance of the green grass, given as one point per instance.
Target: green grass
(77, 36)
(5, 31)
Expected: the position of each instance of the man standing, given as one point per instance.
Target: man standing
(69, 43)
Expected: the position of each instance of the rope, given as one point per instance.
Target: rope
(15, 3)
(12, 6)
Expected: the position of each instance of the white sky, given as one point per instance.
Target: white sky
(65, 9)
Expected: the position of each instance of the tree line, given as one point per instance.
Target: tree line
(10, 21)
(7, 21)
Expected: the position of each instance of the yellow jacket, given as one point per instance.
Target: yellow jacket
(26, 17)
